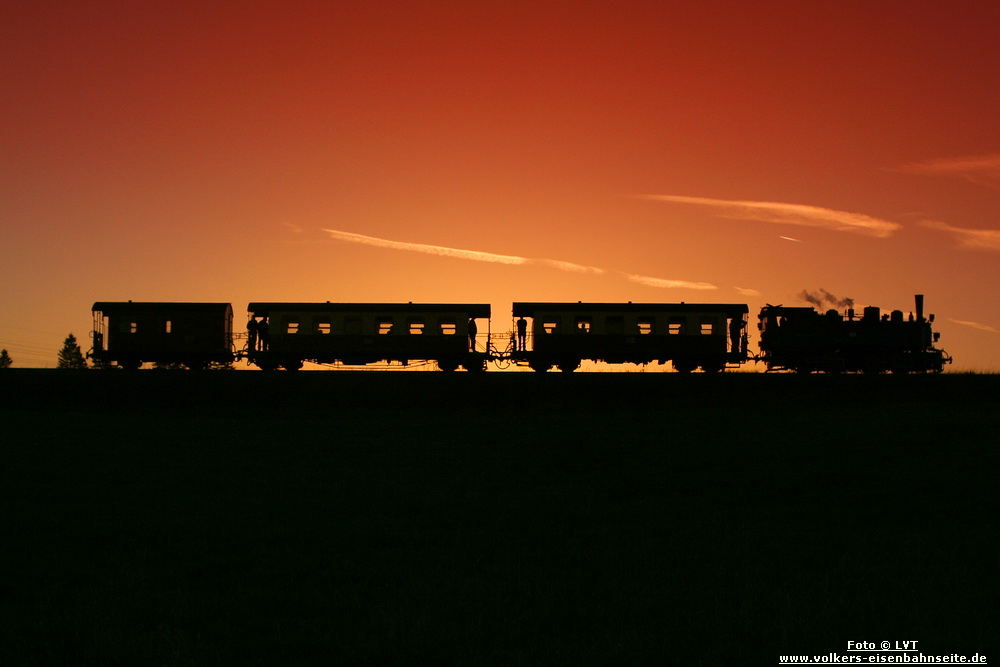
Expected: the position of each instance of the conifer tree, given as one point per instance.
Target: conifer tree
(70, 355)
(5, 360)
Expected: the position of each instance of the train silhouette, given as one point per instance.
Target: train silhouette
(543, 335)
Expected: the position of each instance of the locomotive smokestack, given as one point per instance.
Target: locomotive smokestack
(920, 306)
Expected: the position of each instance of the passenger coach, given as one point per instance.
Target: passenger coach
(128, 333)
(706, 336)
(287, 334)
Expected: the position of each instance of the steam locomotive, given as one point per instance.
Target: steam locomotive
(712, 337)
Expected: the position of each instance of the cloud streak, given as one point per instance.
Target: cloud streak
(790, 214)
(479, 256)
(978, 169)
(668, 284)
(441, 251)
(975, 325)
(979, 239)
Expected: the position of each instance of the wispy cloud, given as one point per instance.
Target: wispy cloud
(669, 284)
(790, 214)
(978, 169)
(975, 325)
(746, 291)
(479, 256)
(439, 250)
(789, 238)
(980, 239)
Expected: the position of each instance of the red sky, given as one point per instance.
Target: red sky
(732, 151)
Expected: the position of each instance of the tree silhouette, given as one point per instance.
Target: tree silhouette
(70, 355)
(5, 360)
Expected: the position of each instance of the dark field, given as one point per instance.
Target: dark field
(176, 518)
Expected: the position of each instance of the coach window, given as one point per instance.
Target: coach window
(130, 327)
(645, 325)
(449, 328)
(551, 325)
(385, 325)
(583, 324)
(614, 325)
(323, 327)
(167, 326)
(352, 325)
(416, 327)
(292, 327)
(676, 325)
(707, 327)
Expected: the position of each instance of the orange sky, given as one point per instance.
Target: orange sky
(715, 151)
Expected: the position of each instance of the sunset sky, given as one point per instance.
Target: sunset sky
(656, 151)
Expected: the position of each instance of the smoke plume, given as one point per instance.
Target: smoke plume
(823, 298)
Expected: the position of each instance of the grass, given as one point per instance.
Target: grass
(172, 519)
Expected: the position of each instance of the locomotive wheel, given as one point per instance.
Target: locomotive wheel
(538, 366)
(569, 366)
(476, 366)
(447, 365)
(292, 364)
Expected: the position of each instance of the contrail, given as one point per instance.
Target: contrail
(975, 325)
(479, 256)
(662, 282)
(790, 214)
(978, 169)
(442, 251)
(982, 239)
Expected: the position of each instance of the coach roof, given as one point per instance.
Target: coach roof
(115, 307)
(469, 309)
(528, 309)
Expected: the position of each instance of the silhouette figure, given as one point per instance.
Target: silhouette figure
(472, 334)
(252, 334)
(522, 334)
(263, 334)
(735, 329)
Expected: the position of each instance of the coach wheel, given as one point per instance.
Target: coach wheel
(539, 366)
(447, 365)
(684, 366)
(292, 364)
(130, 364)
(569, 366)
(713, 367)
